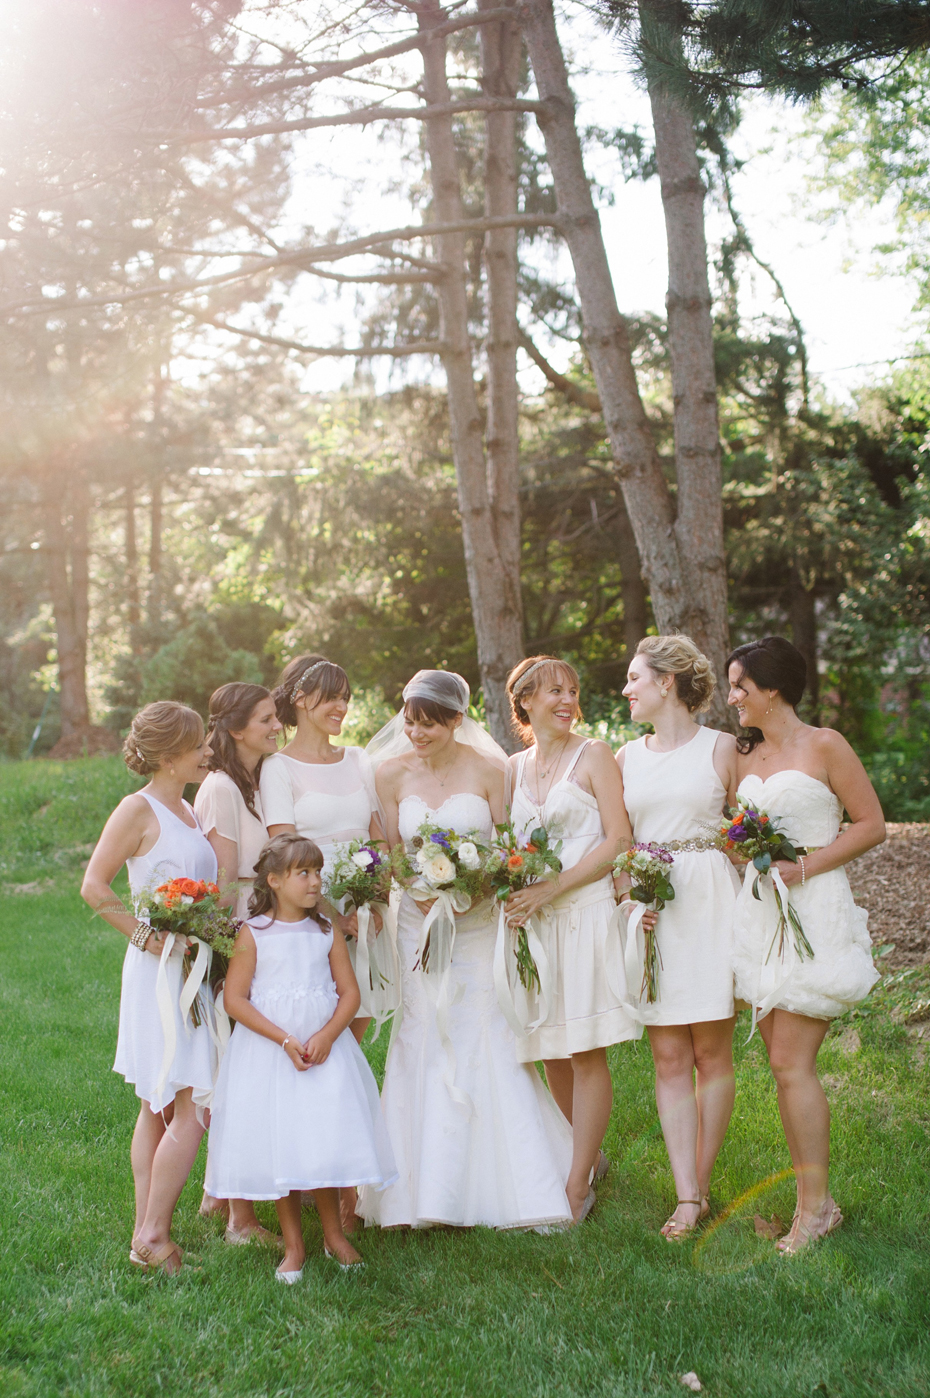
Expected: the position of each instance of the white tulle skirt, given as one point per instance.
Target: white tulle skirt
(476, 1135)
(140, 1044)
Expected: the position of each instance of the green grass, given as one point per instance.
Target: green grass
(609, 1310)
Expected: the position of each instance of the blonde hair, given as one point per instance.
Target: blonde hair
(543, 668)
(677, 655)
(159, 732)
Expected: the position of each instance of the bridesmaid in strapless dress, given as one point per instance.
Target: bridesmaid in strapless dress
(804, 778)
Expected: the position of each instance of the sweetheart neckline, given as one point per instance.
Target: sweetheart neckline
(434, 810)
(791, 771)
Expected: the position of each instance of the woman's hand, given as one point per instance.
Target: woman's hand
(317, 1048)
(347, 924)
(791, 873)
(523, 903)
(156, 942)
(425, 907)
(650, 916)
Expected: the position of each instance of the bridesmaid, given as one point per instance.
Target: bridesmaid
(243, 730)
(156, 835)
(571, 785)
(804, 778)
(675, 785)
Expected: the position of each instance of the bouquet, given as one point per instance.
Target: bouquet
(515, 861)
(648, 867)
(361, 874)
(753, 833)
(446, 867)
(191, 908)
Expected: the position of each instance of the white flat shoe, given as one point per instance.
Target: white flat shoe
(289, 1278)
(346, 1266)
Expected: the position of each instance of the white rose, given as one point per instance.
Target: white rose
(468, 854)
(186, 900)
(363, 859)
(439, 869)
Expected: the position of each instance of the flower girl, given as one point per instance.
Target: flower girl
(296, 1105)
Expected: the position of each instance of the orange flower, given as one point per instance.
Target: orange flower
(515, 861)
(531, 849)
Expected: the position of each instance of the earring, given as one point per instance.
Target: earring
(664, 693)
(769, 709)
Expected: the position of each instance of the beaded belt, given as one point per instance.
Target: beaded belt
(696, 846)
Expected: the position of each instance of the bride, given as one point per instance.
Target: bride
(477, 1138)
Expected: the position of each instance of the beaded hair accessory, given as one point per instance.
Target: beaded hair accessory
(546, 660)
(298, 688)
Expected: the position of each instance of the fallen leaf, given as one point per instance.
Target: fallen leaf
(768, 1229)
(691, 1380)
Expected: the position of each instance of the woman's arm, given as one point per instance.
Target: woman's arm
(725, 756)
(131, 829)
(318, 1046)
(240, 1008)
(849, 779)
(227, 863)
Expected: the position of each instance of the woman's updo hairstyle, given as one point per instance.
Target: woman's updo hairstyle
(677, 655)
(159, 732)
(231, 708)
(524, 680)
(314, 677)
(279, 856)
(772, 663)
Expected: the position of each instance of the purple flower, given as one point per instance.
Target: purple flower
(376, 859)
(737, 833)
(440, 839)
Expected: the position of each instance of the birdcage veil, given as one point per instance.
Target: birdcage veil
(442, 687)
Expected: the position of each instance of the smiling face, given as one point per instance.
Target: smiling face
(645, 690)
(260, 735)
(430, 737)
(326, 715)
(752, 704)
(190, 766)
(554, 704)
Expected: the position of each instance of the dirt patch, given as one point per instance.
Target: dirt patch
(891, 881)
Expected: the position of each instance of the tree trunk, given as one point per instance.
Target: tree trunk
(501, 46)
(67, 585)
(676, 603)
(133, 612)
(635, 604)
(497, 619)
(156, 525)
(803, 617)
(699, 507)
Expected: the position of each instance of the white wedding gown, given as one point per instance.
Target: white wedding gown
(500, 1154)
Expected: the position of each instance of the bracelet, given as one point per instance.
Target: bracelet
(803, 870)
(287, 1040)
(141, 936)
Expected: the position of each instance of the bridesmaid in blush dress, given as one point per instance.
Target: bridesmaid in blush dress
(805, 778)
(675, 785)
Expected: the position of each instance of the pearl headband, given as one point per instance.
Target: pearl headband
(298, 688)
(521, 682)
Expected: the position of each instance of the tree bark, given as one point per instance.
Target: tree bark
(635, 600)
(675, 601)
(497, 619)
(66, 572)
(699, 507)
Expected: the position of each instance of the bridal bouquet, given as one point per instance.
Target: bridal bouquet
(755, 836)
(648, 867)
(361, 874)
(517, 859)
(446, 867)
(191, 908)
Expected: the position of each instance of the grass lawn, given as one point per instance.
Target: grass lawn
(609, 1309)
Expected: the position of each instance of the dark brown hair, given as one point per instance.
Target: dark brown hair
(548, 665)
(428, 711)
(159, 732)
(231, 708)
(281, 855)
(772, 663)
(328, 681)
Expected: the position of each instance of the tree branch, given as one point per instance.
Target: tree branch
(361, 117)
(364, 352)
(574, 392)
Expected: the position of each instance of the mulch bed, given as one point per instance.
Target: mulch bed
(892, 882)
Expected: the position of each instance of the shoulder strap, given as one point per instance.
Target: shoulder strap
(574, 762)
(521, 765)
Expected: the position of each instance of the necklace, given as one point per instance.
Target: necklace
(545, 771)
(435, 775)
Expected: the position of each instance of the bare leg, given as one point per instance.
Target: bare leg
(242, 1218)
(673, 1054)
(148, 1132)
(716, 1092)
(288, 1211)
(210, 1206)
(793, 1042)
(327, 1206)
(591, 1103)
(171, 1166)
(560, 1076)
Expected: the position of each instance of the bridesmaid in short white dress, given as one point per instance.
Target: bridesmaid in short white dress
(476, 1136)
(803, 778)
(675, 786)
(571, 786)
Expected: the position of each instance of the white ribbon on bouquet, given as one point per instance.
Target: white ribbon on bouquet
(788, 958)
(517, 1002)
(217, 1023)
(438, 934)
(377, 965)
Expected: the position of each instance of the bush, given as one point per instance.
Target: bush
(193, 664)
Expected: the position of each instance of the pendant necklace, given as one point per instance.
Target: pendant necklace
(544, 772)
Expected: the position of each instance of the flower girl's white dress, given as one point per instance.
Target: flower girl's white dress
(274, 1129)
(477, 1137)
(181, 851)
(842, 971)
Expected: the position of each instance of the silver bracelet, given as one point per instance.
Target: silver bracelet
(287, 1040)
(803, 871)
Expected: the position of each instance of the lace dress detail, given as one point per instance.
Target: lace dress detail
(181, 851)
(679, 796)
(274, 1129)
(842, 971)
(500, 1157)
(579, 930)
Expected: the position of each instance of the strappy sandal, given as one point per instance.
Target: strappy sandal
(801, 1235)
(156, 1259)
(673, 1231)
